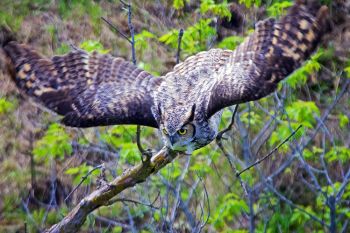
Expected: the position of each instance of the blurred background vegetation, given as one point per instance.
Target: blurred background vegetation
(301, 188)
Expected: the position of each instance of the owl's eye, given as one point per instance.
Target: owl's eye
(182, 131)
(165, 132)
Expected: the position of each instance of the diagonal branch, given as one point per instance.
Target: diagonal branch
(238, 174)
(137, 174)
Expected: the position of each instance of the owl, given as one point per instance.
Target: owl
(90, 89)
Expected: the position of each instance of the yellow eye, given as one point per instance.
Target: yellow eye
(165, 132)
(182, 131)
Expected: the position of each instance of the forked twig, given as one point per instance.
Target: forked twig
(238, 174)
(229, 127)
(219, 143)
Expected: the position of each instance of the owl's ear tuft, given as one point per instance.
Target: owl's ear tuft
(192, 113)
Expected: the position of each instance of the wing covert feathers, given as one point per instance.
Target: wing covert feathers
(87, 89)
(270, 54)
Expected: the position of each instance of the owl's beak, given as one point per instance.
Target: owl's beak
(172, 140)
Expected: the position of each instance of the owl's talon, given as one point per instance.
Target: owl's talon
(148, 154)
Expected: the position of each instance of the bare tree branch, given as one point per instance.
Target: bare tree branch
(137, 174)
(181, 33)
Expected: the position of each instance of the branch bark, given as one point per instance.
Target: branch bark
(100, 197)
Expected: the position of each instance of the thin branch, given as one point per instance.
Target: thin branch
(83, 179)
(132, 31)
(113, 201)
(343, 186)
(219, 143)
(138, 140)
(208, 204)
(269, 154)
(229, 127)
(116, 29)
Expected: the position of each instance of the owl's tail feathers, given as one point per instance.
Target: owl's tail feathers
(6, 36)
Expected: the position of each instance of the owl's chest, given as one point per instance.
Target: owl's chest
(190, 87)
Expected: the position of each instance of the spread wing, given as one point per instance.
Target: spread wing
(87, 89)
(267, 56)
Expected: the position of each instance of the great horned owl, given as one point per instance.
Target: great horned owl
(185, 104)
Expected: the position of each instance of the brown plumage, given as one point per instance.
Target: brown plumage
(92, 89)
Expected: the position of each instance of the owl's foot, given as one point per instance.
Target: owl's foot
(146, 156)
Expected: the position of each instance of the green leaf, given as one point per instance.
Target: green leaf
(55, 143)
(278, 8)
(343, 120)
(230, 42)
(7, 106)
(218, 9)
(250, 3)
(312, 66)
(92, 45)
(347, 70)
(179, 4)
(338, 153)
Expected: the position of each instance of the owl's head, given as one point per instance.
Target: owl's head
(183, 131)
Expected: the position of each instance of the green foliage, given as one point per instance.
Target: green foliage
(250, 3)
(63, 49)
(303, 112)
(343, 120)
(251, 118)
(313, 154)
(230, 206)
(218, 9)
(122, 138)
(92, 45)
(312, 66)
(230, 42)
(195, 37)
(179, 4)
(278, 8)
(80, 9)
(347, 70)
(117, 229)
(298, 113)
(7, 106)
(338, 153)
(55, 143)
(142, 40)
(13, 12)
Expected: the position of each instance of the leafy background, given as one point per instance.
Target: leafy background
(302, 188)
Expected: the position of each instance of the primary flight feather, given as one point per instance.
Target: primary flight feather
(185, 104)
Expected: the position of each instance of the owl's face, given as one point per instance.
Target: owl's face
(182, 139)
(183, 131)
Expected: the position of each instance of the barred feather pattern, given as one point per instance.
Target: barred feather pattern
(88, 89)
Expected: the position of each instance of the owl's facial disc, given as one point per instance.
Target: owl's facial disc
(181, 139)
